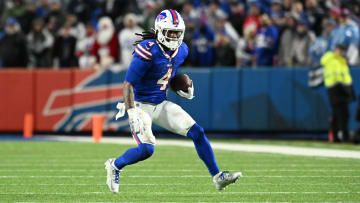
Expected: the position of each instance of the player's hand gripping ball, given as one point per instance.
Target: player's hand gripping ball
(182, 85)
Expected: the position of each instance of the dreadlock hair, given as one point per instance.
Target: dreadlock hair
(149, 34)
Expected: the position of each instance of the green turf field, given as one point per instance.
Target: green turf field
(74, 172)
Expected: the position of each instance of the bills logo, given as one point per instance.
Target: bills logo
(161, 16)
(97, 93)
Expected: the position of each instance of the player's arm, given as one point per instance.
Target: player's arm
(190, 92)
(134, 121)
(138, 67)
(128, 92)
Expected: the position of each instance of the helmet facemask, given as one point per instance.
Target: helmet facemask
(173, 38)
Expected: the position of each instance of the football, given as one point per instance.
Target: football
(180, 82)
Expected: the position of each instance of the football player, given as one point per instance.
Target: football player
(156, 60)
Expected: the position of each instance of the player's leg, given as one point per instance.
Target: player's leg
(145, 141)
(144, 150)
(173, 118)
(203, 148)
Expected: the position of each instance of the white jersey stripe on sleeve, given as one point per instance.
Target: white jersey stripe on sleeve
(141, 54)
(144, 50)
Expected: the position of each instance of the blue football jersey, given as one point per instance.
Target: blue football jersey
(151, 70)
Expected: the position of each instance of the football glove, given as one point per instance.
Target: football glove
(135, 123)
(121, 112)
(189, 94)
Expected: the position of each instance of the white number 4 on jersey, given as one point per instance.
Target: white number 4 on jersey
(164, 80)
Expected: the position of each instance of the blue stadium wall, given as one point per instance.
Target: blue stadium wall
(226, 99)
(277, 99)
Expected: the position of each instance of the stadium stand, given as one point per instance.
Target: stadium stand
(235, 33)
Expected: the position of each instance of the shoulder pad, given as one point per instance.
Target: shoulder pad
(183, 49)
(143, 49)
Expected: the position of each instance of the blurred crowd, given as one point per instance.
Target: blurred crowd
(237, 33)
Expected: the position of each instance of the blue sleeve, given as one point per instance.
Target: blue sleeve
(186, 50)
(273, 35)
(331, 45)
(137, 69)
(355, 37)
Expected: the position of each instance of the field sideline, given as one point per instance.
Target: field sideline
(74, 172)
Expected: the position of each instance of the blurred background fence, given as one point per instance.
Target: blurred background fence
(226, 99)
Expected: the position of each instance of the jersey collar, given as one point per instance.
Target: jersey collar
(167, 55)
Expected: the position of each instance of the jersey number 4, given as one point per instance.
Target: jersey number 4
(164, 80)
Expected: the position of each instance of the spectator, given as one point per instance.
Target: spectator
(314, 14)
(106, 46)
(43, 9)
(223, 26)
(286, 4)
(16, 10)
(64, 49)
(253, 16)
(276, 7)
(224, 53)
(279, 22)
(213, 14)
(297, 9)
(319, 46)
(83, 48)
(55, 18)
(237, 16)
(13, 51)
(277, 15)
(266, 42)
(189, 15)
(301, 42)
(77, 28)
(246, 47)
(127, 39)
(149, 14)
(356, 13)
(202, 51)
(81, 9)
(40, 42)
(332, 4)
(28, 18)
(285, 41)
(346, 34)
(240, 14)
(335, 13)
(120, 8)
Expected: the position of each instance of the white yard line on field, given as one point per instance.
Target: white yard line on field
(178, 193)
(182, 170)
(181, 176)
(287, 150)
(170, 184)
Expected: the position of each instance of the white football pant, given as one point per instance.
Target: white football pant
(167, 115)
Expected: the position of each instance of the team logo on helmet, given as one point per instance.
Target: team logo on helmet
(161, 16)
